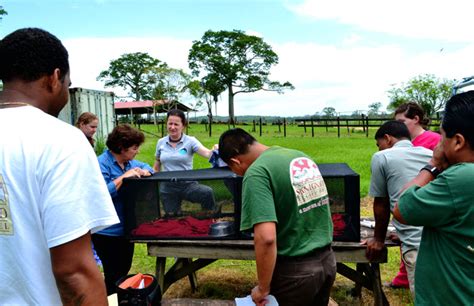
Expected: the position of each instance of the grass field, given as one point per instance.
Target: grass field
(226, 279)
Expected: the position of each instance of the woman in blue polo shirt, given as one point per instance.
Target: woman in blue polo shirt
(175, 152)
(117, 163)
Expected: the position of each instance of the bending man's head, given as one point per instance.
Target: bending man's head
(233, 145)
(390, 133)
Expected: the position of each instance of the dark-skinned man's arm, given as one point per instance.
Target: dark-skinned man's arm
(77, 276)
(265, 255)
(382, 218)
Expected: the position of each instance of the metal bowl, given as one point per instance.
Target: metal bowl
(221, 229)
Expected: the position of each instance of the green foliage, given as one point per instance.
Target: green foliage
(133, 71)
(2, 12)
(99, 146)
(234, 61)
(427, 90)
(170, 84)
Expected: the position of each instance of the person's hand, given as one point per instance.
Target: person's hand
(374, 248)
(215, 147)
(259, 296)
(439, 158)
(394, 238)
(144, 172)
(135, 172)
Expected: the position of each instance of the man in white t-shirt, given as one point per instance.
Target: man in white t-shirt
(52, 194)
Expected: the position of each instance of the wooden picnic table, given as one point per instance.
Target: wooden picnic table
(192, 255)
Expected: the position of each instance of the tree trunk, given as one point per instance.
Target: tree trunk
(231, 105)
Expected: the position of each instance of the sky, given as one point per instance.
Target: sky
(344, 54)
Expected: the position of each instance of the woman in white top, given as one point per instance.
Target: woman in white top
(175, 152)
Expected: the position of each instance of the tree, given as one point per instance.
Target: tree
(170, 84)
(427, 90)
(329, 112)
(2, 12)
(133, 71)
(374, 108)
(238, 61)
(207, 91)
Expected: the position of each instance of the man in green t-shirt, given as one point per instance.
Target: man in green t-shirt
(444, 205)
(285, 202)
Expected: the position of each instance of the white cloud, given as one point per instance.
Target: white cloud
(435, 19)
(347, 77)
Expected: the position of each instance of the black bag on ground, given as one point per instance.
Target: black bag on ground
(150, 295)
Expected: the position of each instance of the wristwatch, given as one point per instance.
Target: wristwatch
(432, 169)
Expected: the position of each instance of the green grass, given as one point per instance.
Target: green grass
(226, 279)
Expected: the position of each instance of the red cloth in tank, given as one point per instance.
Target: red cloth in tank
(339, 224)
(184, 227)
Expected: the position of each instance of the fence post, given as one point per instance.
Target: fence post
(210, 128)
(363, 122)
(279, 126)
(254, 129)
(284, 127)
(312, 127)
(347, 123)
(304, 125)
(338, 127)
(162, 128)
(326, 125)
(260, 126)
(367, 126)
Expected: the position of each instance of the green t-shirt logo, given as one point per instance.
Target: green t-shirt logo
(307, 183)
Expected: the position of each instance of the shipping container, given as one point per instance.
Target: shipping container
(101, 103)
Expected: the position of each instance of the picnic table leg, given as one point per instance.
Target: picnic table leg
(373, 273)
(357, 290)
(192, 277)
(183, 262)
(160, 272)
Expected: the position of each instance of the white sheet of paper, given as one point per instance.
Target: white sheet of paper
(247, 301)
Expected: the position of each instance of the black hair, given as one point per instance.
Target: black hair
(123, 136)
(178, 113)
(393, 128)
(31, 53)
(234, 142)
(412, 109)
(459, 116)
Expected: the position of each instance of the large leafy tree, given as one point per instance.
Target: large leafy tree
(239, 62)
(427, 90)
(132, 71)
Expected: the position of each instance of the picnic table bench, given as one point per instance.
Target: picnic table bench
(192, 255)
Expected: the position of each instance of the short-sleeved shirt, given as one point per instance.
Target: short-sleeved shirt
(391, 170)
(285, 186)
(110, 171)
(427, 139)
(178, 158)
(51, 193)
(445, 263)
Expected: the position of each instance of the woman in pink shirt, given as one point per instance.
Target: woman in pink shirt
(414, 118)
(413, 115)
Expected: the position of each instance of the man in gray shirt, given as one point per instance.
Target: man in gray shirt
(396, 163)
